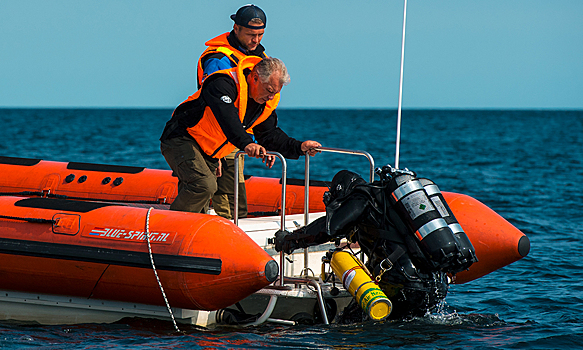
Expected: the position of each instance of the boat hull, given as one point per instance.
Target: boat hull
(99, 251)
(496, 241)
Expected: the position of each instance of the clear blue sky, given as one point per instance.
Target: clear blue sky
(344, 54)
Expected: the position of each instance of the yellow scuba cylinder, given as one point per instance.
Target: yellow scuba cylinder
(357, 280)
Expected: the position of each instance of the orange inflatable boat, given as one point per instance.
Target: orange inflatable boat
(99, 250)
(497, 242)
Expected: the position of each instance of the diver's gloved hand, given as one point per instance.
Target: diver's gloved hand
(281, 243)
(289, 241)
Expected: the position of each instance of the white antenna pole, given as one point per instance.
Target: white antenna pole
(401, 88)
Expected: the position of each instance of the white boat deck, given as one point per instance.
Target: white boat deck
(260, 229)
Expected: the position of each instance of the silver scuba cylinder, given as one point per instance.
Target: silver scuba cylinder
(468, 253)
(416, 209)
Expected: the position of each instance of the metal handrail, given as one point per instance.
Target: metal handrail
(319, 295)
(355, 152)
(283, 188)
(282, 279)
(307, 184)
(307, 173)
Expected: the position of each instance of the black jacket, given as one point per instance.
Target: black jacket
(215, 88)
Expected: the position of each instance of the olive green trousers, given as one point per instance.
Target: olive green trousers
(197, 179)
(224, 198)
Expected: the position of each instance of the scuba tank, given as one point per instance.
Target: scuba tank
(356, 279)
(420, 215)
(468, 253)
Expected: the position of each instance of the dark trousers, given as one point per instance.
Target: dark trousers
(197, 180)
(224, 198)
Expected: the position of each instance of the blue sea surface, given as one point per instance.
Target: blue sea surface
(526, 165)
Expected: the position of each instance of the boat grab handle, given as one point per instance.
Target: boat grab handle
(307, 184)
(283, 187)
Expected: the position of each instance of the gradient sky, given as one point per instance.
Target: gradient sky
(340, 54)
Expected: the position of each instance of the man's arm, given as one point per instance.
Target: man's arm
(270, 136)
(215, 62)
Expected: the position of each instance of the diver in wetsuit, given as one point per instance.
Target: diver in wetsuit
(363, 213)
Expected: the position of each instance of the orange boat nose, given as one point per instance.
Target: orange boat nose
(497, 242)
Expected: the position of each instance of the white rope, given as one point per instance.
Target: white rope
(401, 88)
(154, 267)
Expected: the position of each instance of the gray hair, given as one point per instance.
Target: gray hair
(267, 66)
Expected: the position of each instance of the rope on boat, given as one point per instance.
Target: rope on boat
(154, 268)
(32, 194)
(62, 196)
(33, 220)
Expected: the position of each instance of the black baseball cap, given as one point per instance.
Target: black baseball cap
(246, 14)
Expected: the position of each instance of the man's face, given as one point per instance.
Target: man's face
(250, 38)
(263, 92)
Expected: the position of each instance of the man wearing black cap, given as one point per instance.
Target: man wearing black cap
(224, 52)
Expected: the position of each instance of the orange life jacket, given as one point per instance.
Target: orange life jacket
(219, 44)
(208, 133)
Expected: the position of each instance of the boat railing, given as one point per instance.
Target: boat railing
(283, 187)
(282, 278)
(306, 178)
(306, 190)
(307, 185)
(307, 174)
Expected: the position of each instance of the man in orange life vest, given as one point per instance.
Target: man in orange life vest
(215, 120)
(224, 52)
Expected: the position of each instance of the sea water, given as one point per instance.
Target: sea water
(526, 165)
